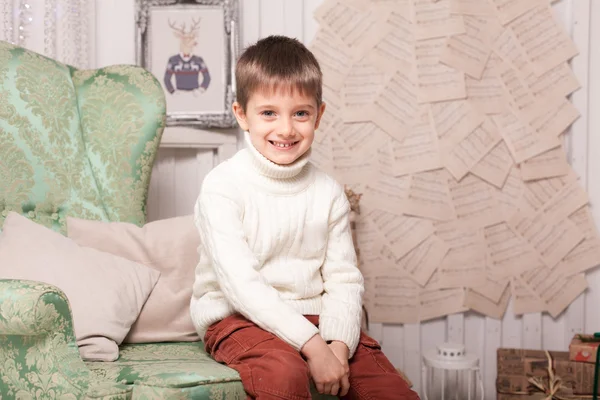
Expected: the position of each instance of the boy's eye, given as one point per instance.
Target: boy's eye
(268, 113)
(302, 114)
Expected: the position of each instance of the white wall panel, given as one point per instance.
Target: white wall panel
(182, 165)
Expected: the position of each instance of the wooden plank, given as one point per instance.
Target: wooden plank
(293, 21)
(553, 332)
(511, 328)
(456, 328)
(391, 345)
(186, 181)
(250, 29)
(310, 24)
(575, 316)
(412, 355)
(271, 18)
(532, 331)
(433, 333)
(166, 178)
(475, 338)
(376, 332)
(493, 340)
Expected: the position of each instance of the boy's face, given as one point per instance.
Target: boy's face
(281, 123)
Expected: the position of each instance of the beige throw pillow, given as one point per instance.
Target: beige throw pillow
(106, 292)
(169, 246)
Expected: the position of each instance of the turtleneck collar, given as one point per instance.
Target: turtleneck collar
(290, 178)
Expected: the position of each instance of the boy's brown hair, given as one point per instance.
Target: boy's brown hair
(275, 62)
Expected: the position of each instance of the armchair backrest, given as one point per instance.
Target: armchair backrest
(76, 143)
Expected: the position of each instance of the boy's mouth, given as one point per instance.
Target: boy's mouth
(283, 145)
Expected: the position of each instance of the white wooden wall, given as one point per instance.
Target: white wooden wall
(186, 156)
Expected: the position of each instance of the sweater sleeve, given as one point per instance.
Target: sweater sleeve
(343, 282)
(219, 220)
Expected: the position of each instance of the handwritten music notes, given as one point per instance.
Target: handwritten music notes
(449, 117)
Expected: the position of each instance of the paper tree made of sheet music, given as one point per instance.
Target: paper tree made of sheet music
(448, 116)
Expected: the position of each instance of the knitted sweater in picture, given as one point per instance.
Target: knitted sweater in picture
(276, 245)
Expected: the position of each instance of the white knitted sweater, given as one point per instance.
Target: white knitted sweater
(276, 245)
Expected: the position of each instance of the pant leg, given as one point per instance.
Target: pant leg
(373, 377)
(269, 367)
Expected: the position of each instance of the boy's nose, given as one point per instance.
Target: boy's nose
(286, 128)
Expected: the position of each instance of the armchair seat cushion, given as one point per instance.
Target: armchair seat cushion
(180, 370)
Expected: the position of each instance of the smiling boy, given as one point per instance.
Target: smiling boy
(278, 295)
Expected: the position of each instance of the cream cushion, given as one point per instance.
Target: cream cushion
(169, 246)
(106, 293)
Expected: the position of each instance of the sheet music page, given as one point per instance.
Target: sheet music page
(495, 166)
(556, 83)
(454, 120)
(552, 239)
(509, 253)
(508, 10)
(461, 158)
(387, 193)
(349, 168)
(511, 196)
(471, 7)
(396, 106)
(360, 25)
(330, 121)
(585, 255)
(360, 137)
(557, 290)
(418, 151)
(362, 84)
(429, 197)
(465, 262)
(525, 301)
(518, 94)
(469, 51)
(321, 154)
(433, 19)
(436, 81)
(557, 117)
(335, 58)
(508, 48)
(474, 201)
(396, 50)
(569, 199)
(401, 233)
(539, 192)
(487, 94)
(543, 38)
(546, 165)
(477, 302)
(422, 261)
(522, 139)
(392, 299)
(435, 304)
(494, 287)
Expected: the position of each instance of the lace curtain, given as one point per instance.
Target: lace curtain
(60, 29)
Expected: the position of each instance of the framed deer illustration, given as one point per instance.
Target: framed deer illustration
(191, 46)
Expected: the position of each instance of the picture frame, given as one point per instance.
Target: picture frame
(191, 47)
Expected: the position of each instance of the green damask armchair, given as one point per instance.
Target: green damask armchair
(72, 143)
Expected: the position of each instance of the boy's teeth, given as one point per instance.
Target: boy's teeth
(283, 144)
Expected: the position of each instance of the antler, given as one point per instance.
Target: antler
(195, 24)
(175, 28)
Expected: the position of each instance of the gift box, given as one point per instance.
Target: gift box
(583, 348)
(517, 366)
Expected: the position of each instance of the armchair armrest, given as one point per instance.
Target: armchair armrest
(38, 351)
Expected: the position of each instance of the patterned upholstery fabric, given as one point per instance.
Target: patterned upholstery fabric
(122, 111)
(38, 355)
(44, 172)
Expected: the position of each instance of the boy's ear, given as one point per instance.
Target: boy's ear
(240, 115)
(320, 115)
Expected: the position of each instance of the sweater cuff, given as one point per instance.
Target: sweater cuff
(297, 332)
(346, 331)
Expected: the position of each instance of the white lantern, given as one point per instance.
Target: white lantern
(451, 361)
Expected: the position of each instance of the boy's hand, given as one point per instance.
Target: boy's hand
(325, 368)
(342, 352)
